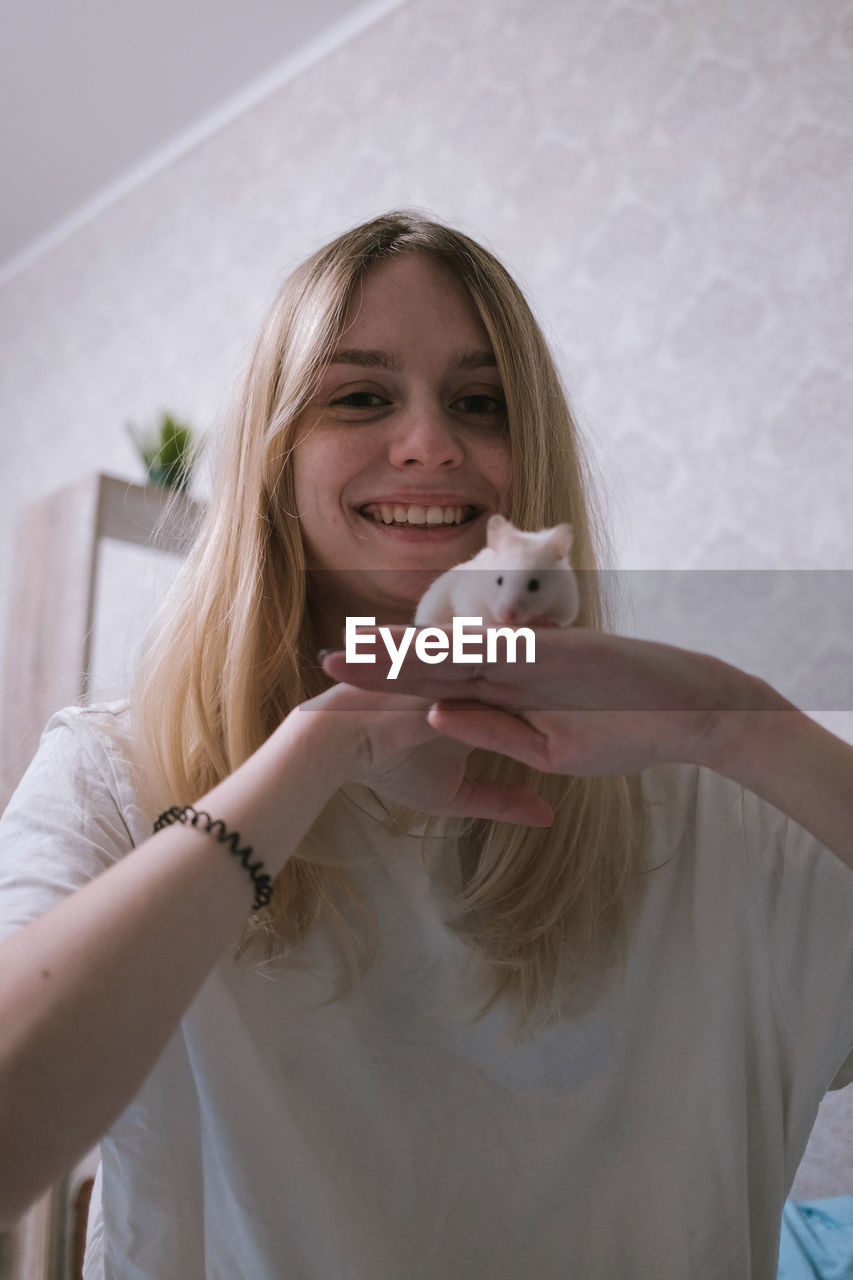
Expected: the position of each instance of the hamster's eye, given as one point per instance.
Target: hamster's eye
(500, 582)
(533, 584)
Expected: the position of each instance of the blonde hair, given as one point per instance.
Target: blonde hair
(236, 650)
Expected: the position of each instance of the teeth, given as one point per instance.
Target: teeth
(396, 513)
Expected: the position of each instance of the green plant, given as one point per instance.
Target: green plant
(169, 451)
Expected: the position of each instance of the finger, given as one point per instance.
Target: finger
(414, 673)
(474, 684)
(503, 801)
(408, 665)
(343, 697)
(561, 653)
(479, 725)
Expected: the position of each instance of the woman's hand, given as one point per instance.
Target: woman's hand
(592, 703)
(391, 747)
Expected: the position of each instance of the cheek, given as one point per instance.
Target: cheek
(323, 467)
(321, 470)
(496, 466)
(302, 471)
(314, 478)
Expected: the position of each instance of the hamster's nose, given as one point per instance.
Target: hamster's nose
(508, 614)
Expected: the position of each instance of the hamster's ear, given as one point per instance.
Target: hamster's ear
(562, 537)
(495, 527)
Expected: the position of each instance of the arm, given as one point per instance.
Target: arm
(594, 703)
(796, 765)
(92, 990)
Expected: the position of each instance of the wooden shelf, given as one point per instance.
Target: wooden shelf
(47, 662)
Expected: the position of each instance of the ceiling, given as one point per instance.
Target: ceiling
(97, 94)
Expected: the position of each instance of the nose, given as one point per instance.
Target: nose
(424, 437)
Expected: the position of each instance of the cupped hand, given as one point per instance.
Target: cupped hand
(591, 703)
(400, 755)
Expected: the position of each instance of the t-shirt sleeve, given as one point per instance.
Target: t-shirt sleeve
(65, 823)
(804, 896)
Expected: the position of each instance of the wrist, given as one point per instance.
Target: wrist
(328, 732)
(735, 737)
(783, 756)
(277, 794)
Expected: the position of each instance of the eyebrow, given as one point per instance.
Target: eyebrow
(383, 360)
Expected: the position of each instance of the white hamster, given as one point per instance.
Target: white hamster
(518, 579)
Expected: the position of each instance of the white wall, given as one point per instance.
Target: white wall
(672, 180)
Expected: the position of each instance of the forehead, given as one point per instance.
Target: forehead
(412, 296)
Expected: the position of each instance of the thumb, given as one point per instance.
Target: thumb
(504, 801)
(488, 727)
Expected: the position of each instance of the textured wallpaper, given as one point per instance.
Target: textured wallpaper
(672, 182)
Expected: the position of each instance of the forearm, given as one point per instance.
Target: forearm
(91, 992)
(792, 762)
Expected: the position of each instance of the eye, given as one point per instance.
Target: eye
(500, 582)
(533, 584)
(360, 400)
(481, 405)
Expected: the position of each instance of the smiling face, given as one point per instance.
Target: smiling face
(403, 454)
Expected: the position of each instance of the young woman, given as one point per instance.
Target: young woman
(524, 992)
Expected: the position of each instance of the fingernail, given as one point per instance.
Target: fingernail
(324, 653)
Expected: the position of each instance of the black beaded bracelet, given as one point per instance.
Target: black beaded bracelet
(216, 827)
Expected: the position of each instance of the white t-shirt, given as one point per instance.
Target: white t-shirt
(385, 1137)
